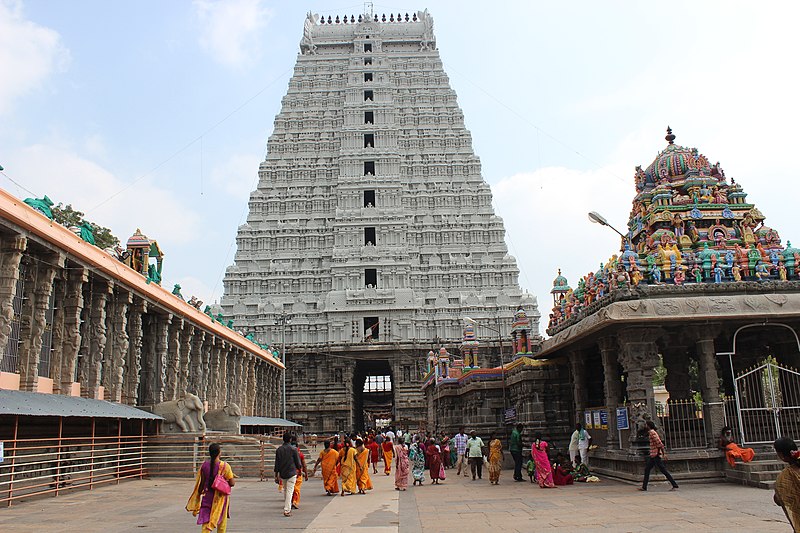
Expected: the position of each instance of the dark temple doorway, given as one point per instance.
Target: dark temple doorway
(374, 394)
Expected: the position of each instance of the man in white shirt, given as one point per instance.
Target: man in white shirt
(390, 434)
(579, 443)
(475, 454)
(461, 451)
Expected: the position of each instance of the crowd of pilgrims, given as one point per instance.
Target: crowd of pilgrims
(349, 459)
(346, 461)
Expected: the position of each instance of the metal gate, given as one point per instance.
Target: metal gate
(768, 402)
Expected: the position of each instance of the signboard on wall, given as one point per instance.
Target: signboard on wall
(596, 419)
(587, 420)
(603, 418)
(622, 418)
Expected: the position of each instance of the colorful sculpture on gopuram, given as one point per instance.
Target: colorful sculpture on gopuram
(469, 347)
(443, 364)
(688, 225)
(521, 333)
(139, 250)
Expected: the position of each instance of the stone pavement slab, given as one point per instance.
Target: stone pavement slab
(458, 505)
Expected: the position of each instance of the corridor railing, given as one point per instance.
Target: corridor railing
(683, 424)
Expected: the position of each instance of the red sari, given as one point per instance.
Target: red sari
(561, 477)
(434, 461)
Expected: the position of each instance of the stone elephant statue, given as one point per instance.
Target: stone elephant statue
(186, 413)
(225, 419)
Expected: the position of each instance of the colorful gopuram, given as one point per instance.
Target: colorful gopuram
(688, 224)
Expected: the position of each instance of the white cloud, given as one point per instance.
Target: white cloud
(230, 29)
(545, 216)
(68, 178)
(29, 54)
(238, 176)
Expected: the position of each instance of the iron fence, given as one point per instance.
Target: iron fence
(683, 424)
(49, 466)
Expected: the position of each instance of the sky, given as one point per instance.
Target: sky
(155, 115)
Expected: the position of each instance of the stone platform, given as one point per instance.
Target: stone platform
(457, 505)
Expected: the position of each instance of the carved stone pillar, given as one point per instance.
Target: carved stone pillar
(117, 348)
(149, 386)
(207, 353)
(577, 367)
(214, 377)
(250, 390)
(57, 338)
(224, 370)
(162, 333)
(133, 359)
(612, 385)
(196, 363)
(173, 359)
(185, 358)
(713, 410)
(10, 256)
(33, 319)
(73, 307)
(240, 376)
(639, 357)
(92, 365)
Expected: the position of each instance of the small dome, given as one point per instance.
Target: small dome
(560, 284)
(138, 240)
(676, 161)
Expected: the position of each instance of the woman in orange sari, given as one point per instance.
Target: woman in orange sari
(302, 473)
(363, 480)
(329, 457)
(732, 450)
(388, 454)
(347, 467)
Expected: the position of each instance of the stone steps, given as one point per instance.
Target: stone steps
(760, 473)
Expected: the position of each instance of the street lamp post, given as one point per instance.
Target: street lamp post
(597, 218)
(502, 358)
(282, 320)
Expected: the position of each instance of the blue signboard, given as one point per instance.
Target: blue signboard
(622, 418)
(603, 418)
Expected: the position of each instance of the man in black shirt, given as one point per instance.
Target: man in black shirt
(287, 463)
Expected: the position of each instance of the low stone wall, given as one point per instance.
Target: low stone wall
(686, 466)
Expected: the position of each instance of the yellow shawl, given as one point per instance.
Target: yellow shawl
(193, 505)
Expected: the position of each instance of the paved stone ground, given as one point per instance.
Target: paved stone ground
(458, 504)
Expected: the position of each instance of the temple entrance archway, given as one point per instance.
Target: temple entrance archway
(373, 392)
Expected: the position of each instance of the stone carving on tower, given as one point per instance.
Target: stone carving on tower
(371, 225)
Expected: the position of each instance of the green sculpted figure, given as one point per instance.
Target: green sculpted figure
(176, 290)
(42, 205)
(153, 276)
(87, 232)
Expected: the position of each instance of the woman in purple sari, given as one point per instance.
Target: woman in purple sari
(209, 505)
(544, 472)
(401, 472)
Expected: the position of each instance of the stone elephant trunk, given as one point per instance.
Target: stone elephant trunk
(186, 413)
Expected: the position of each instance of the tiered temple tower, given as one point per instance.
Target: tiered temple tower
(371, 234)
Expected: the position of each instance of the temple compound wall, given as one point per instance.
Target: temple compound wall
(371, 234)
(76, 321)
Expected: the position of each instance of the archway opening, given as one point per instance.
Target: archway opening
(374, 395)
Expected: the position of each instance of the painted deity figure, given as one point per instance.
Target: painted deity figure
(680, 276)
(636, 275)
(782, 271)
(697, 274)
(762, 271)
(718, 274)
(655, 274)
(736, 272)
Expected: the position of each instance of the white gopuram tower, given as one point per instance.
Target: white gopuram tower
(371, 234)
